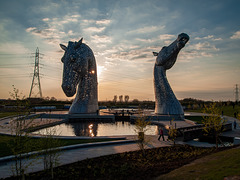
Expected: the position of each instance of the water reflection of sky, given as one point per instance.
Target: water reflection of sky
(96, 129)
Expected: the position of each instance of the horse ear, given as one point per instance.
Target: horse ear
(63, 47)
(79, 43)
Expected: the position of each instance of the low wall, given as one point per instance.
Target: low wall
(161, 117)
(197, 131)
(87, 117)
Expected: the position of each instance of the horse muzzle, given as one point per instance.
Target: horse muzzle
(182, 40)
(68, 90)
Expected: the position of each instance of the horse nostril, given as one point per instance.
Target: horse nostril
(66, 87)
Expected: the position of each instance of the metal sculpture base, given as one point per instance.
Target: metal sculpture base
(178, 117)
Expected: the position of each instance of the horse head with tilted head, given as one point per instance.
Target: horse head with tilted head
(166, 102)
(80, 69)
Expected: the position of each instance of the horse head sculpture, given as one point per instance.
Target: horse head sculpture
(80, 69)
(165, 101)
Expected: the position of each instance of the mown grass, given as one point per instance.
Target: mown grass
(197, 119)
(214, 166)
(227, 110)
(5, 141)
(5, 114)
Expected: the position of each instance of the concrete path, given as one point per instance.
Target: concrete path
(74, 155)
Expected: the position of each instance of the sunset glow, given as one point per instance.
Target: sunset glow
(123, 35)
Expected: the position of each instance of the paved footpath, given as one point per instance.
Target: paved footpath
(74, 155)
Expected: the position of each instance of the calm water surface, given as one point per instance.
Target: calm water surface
(96, 129)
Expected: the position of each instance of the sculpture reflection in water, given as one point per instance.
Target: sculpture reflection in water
(165, 101)
(80, 69)
(96, 129)
(85, 129)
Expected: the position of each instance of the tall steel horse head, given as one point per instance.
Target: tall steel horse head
(165, 101)
(80, 69)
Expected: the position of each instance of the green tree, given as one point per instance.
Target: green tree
(140, 128)
(172, 132)
(213, 124)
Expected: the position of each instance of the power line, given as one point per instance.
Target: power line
(10, 65)
(13, 75)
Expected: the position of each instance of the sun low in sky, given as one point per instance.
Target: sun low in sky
(123, 34)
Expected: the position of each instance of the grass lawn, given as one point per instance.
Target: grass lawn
(5, 114)
(227, 110)
(214, 166)
(5, 140)
(197, 119)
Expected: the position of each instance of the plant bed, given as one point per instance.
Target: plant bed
(129, 165)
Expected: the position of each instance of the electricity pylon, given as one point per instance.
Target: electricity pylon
(36, 78)
(236, 94)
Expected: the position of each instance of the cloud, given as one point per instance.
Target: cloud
(198, 50)
(52, 35)
(53, 30)
(205, 46)
(209, 37)
(167, 36)
(70, 32)
(94, 29)
(30, 29)
(236, 35)
(147, 29)
(135, 54)
(45, 19)
(101, 39)
(13, 48)
(146, 40)
(87, 21)
(76, 15)
(192, 54)
(217, 39)
(206, 37)
(103, 22)
(107, 52)
(143, 56)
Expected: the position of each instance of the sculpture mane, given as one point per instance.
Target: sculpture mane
(166, 102)
(80, 69)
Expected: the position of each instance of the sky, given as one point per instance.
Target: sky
(122, 34)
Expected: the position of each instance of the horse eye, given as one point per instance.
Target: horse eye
(72, 58)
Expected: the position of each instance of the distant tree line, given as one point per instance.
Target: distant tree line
(187, 103)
